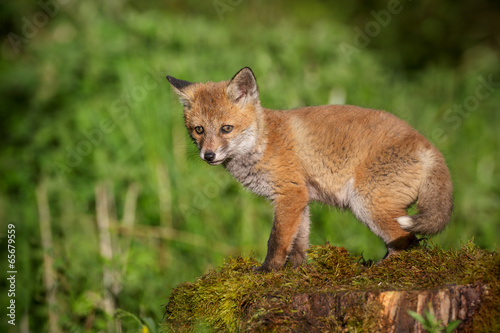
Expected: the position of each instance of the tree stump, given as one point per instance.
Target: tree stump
(386, 310)
(339, 292)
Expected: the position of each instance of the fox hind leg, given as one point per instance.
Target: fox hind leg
(380, 214)
(389, 230)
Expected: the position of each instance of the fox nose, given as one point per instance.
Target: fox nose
(209, 156)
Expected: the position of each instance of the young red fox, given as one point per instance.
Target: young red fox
(367, 160)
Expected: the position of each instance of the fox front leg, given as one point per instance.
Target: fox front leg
(301, 242)
(288, 215)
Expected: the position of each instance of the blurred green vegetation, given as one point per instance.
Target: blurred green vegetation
(85, 103)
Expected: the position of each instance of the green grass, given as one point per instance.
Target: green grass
(86, 102)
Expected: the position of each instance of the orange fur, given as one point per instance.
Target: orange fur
(347, 156)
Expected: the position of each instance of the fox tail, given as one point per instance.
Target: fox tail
(434, 202)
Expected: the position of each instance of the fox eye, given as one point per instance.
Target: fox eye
(226, 129)
(199, 129)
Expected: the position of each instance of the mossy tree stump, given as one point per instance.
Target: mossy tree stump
(339, 292)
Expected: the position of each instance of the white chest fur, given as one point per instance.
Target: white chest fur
(244, 169)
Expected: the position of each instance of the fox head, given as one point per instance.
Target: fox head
(222, 118)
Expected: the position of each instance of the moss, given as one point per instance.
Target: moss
(222, 298)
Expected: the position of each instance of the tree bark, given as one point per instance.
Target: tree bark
(382, 311)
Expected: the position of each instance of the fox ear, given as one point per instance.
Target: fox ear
(179, 86)
(243, 87)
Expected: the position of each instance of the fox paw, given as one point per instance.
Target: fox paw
(260, 269)
(264, 269)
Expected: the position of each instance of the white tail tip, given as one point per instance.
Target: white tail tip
(406, 222)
